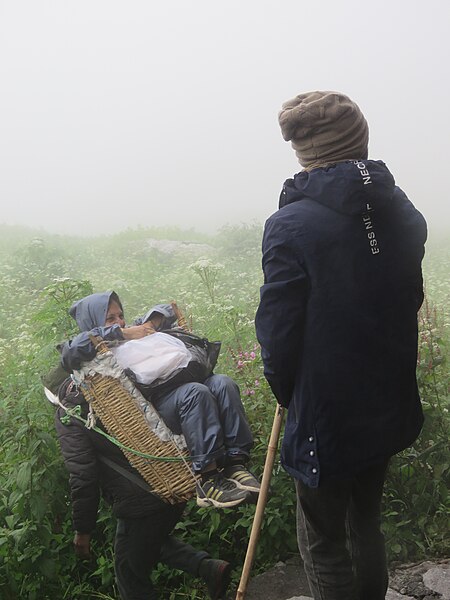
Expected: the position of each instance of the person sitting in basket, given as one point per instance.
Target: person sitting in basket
(209, 413)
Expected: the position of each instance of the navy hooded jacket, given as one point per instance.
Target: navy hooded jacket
(337, 320)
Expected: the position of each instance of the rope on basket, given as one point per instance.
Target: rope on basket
(75, 413)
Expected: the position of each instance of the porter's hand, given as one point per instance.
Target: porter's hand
(138, 331)
(82, 545)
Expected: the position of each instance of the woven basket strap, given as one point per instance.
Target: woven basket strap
(100, 344)
(180, 317)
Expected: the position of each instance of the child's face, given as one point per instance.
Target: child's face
(156, 320)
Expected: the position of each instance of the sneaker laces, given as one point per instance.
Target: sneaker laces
(218, 481)
(225, 483)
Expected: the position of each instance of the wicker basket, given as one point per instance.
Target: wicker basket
(123, 419)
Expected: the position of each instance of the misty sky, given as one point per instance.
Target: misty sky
(117, 114)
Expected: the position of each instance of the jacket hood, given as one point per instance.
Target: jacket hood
(165, 310)
(350, 187)
(90, 312)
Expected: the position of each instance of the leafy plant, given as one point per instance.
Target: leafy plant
(417, 508)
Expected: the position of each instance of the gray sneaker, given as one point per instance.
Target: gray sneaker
(220, 492)
(243, 479)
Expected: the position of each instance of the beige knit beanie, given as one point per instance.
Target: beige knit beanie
(324, 127)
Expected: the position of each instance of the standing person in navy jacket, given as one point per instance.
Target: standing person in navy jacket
(337, 324)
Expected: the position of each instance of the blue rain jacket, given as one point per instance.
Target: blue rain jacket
(337, 320)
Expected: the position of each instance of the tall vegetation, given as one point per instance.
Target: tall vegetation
(215, 279)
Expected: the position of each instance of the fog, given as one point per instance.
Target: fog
(140, 113)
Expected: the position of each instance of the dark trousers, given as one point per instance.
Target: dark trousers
(143, 542)
(211, 417)
(339, 537)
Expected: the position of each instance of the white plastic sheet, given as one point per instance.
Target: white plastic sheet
(155, 356)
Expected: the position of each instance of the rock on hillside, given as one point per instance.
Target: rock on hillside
(175, 246)
(287, 581)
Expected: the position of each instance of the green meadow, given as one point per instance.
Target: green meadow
(215, 280)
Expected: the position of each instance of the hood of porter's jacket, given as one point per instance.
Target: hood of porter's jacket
(350, 187)
(90, 312)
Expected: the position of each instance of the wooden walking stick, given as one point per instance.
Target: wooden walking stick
(262, 501)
